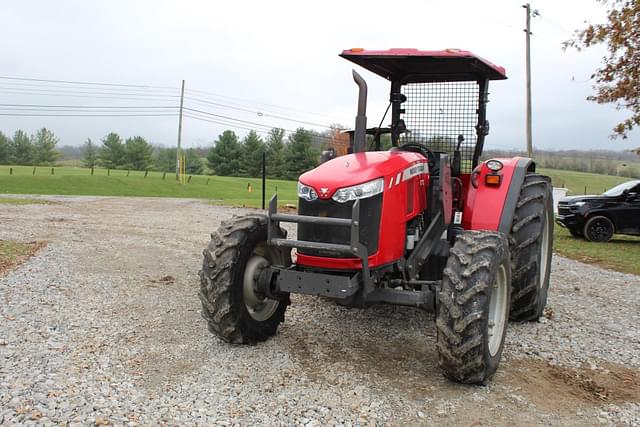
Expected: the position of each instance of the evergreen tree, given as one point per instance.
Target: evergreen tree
(44, 147)
(299, 156)
(252, 147)
(224, 157)
(138, 153)
(112, 154)
(193, 162)
(275, 153)
(5, 149)
(21, 149)
(89, 154)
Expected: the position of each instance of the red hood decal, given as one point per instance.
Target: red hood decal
(354, 169)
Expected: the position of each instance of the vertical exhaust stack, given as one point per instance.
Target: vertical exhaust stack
(360, 137)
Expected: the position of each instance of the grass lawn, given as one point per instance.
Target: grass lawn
(13, 253)
(622, 253)
(576, 182)
(78, 181)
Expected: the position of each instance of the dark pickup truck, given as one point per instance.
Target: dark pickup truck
(598, 217)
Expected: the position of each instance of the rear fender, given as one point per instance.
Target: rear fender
(492, 207)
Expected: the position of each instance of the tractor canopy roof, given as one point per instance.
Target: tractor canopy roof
(418, 66)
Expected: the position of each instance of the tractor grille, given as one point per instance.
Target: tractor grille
(436, 113)
(370, 210)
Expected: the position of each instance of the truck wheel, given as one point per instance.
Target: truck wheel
(237, 253)
(473, 307)
(531, 242)
(598, 229)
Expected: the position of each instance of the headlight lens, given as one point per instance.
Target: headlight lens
(360, 191)
(494, 165)
(577, 204)
(306, 192)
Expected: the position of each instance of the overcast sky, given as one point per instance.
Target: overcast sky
(247, 54)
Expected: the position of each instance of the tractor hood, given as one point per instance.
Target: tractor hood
(358, 168)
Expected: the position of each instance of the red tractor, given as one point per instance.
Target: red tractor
(424, 224)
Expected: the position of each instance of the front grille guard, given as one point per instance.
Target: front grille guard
(355, 247)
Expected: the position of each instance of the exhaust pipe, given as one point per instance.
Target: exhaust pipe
(360, 137)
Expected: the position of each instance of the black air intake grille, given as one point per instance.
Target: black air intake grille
(370, 210)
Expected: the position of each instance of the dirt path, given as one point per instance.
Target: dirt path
(104, 325)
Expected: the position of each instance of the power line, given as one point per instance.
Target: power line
(246, 121)
(260, 113)
(245, 101)
(132, 98)
(87, 115)
(86, 83)
(84, 91)
(86, 106)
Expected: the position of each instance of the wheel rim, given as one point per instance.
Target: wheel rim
(497, 311)
(260, 308)
(544, 250)
(599, 229)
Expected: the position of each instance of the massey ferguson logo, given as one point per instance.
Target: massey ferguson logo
(324, 192)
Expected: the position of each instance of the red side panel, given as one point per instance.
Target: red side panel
(484, 205)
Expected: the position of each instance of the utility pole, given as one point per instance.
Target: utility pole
(528, 80)
(179, 150)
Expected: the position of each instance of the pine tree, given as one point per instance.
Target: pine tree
(21, 149)
(252, 147)
(112, 152)
(138, 153)
(5, 149)
(89, 154)
(275, 153)
(299, 156)
(44, 147)
(224, 157)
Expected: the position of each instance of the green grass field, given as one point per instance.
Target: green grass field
(621, 253)
(78, 181)
(576, 182)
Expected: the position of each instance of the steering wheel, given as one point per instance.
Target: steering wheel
(420, 149)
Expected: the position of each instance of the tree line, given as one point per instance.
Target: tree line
(286, 156)
(24, 149)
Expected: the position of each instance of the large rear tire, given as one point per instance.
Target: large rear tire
(531, 244)
(473, 307)
(234, 309)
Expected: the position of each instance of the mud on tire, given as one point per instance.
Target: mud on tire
(531, 242)
(236, 243)
(474, 295)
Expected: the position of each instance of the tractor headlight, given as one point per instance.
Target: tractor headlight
(360, 191)
(306, 192)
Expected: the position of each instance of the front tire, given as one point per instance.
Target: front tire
(531, 244)
(233, 308)
(473, 309)
(599, 229)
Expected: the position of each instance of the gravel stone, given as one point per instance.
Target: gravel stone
(103, 327)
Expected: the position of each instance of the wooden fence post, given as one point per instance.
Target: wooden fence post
(10, 171)
(91, 170)
(164, 175)
(34, 170)
(108, 172)
(146, 173)
(52, 171)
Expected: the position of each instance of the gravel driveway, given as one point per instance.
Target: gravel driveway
(103, 326)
